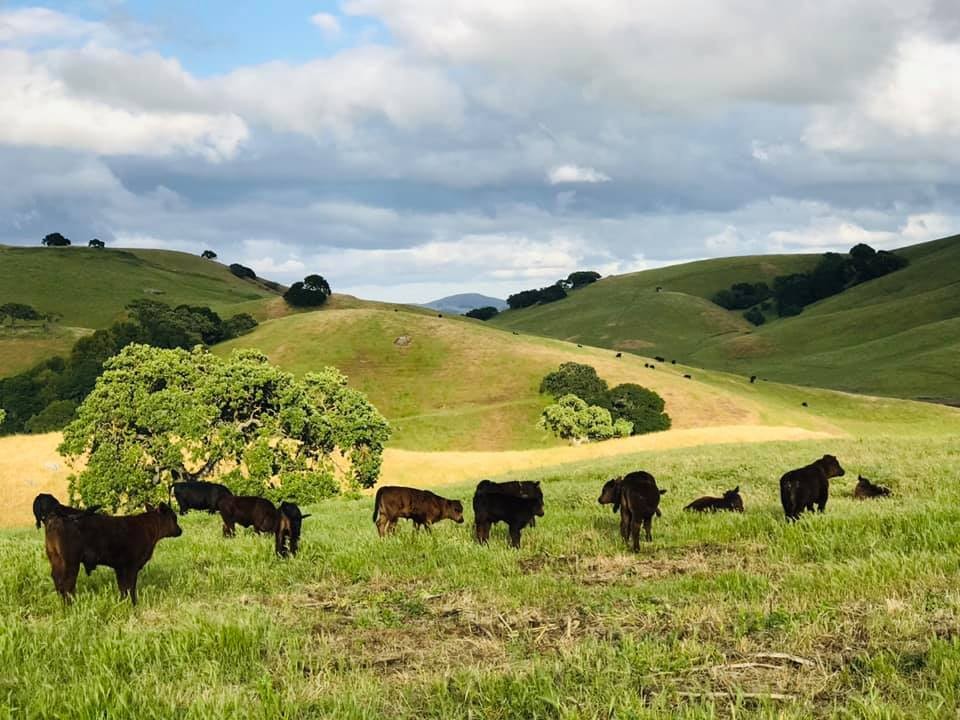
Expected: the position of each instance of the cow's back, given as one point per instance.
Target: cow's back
(640, 494)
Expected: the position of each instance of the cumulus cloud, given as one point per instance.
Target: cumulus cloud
(328, 24)
(575, 174)
(36, 108)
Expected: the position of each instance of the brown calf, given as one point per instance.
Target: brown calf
(422, 506)
(260, 514)
(123, 543)
(639, 502)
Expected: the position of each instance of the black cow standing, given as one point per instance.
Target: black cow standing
(199, 495)
(809, 486)
(490, 506)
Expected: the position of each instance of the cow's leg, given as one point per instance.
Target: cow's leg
(279, 544)
(625, 522)
(229, 529)
(68, 581)
(822, 503)
(635, 534)
(382, 525)
(647, 522)
(483, 532)
(392, 526)
(515, 535)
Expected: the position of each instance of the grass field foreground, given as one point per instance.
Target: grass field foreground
(853, 613)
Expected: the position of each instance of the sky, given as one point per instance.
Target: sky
(411, 149)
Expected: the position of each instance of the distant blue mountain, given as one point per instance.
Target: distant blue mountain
(459, 304)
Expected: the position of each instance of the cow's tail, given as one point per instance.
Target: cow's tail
(376, 504)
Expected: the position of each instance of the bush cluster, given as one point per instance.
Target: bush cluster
(552, 293)
(833, 274)
(641, 407)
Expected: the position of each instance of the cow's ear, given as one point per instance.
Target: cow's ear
(149, 507)
(163, 506)
(736, 489)
(663, 492)
(304, 517)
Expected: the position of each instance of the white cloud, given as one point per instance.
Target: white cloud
(725, 242)
(327, 23)
(332, 94)
(33, 23)
(37, 109)
(575, 174)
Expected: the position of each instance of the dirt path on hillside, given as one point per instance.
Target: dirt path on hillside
(30, 464)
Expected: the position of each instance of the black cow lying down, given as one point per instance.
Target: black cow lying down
(731, 500)
(491, 504)
(199, 495)
(805, 487)
(638, 498)
(422, 506)
(866, 489)
(261, 515)
(46, 505)
(125, 544)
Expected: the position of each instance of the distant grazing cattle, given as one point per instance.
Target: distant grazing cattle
(46, 505)
(260, 514)
(805, 487)
(688, 377)
(619, 354)
(804, 404)
(439, 315)
(866, 489)
(731, 500)
(659, 288)
(659, 359)
(639, 500)
(199, 495)
(579, 345)
(422, 506)
(515, 332)
(673, 362)
(123, 543)
(753, 379)
(493, 504)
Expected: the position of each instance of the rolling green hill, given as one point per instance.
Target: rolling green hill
(89, 288)
(897, 335)
(464, 385)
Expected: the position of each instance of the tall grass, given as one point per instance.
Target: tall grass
(699, 624)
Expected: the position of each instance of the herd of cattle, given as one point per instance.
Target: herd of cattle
(75, 537)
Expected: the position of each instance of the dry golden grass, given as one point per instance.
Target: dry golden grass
(30, 464)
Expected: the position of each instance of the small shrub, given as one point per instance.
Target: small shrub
(754, 316)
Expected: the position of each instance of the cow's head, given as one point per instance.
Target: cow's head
(455, 511)
(610, 494)
(169, 527)
(537, 506)
(831, 466)
(732, 499)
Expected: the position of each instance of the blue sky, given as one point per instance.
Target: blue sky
(408, 149)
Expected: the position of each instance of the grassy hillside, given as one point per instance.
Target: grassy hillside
(897, 335)
(626, 312)
(89, 288)
(853, 613)
(466, 386)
